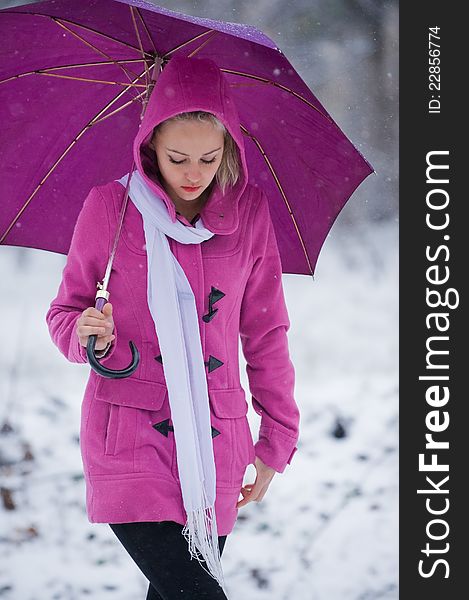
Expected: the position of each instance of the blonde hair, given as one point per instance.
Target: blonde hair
(228, 172)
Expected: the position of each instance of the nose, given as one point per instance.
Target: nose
(193, 178)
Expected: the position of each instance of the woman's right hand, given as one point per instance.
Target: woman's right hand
(94, 322)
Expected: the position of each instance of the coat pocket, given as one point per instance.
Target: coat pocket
(121, 409)
(233, 446)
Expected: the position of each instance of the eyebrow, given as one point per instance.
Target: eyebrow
(177, 151)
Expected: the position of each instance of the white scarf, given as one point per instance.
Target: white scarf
(172, 306)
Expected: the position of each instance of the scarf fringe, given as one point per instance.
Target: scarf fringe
(200, 531)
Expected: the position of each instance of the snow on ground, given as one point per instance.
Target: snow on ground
(327, 529)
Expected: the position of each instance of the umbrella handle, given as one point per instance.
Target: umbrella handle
(93, 360)
(111, 373)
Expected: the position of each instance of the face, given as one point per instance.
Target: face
(188, 154)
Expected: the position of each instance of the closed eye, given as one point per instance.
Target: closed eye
(179, 162)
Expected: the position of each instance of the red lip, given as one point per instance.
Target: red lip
(190, 189)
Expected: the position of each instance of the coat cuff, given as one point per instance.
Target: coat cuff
(274, 448)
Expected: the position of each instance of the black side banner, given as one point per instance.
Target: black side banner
(433, 312)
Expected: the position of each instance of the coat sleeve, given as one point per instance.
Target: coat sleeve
(86, 264)
(264, 323)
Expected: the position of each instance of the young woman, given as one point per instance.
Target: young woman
(197, 268)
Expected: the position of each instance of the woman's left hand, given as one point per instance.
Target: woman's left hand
(255, 491)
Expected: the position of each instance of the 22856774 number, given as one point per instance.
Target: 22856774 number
(434, 69)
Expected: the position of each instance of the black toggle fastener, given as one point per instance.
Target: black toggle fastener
(213, 363)
(214, 296)
(164, 427)
(209, 316)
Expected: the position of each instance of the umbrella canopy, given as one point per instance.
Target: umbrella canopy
(75, 76)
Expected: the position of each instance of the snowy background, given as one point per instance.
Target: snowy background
(327, 529)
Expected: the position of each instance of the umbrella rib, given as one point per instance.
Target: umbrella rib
(95, 122)
(202, 45)
(90, 123)
(242, 84)
(157, 60)
(59, 67)
(130, 85)
(142, 51)
(146, 29)
(282, 192)
(279, 85)
(46, 72)
(166, 54)
(79, 37)
(95, 64)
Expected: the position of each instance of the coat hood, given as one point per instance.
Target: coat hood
(188, 84)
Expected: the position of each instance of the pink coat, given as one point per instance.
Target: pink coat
(126, 436)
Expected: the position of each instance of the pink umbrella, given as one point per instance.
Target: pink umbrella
(75, 76)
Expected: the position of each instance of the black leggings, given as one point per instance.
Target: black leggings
(161, 553)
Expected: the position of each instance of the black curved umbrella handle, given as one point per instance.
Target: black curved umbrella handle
(111, 373)
(101, 299)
